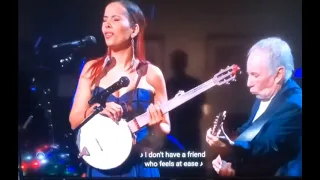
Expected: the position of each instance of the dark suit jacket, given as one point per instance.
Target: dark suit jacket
(276, 149)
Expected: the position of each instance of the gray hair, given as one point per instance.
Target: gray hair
(280, 54)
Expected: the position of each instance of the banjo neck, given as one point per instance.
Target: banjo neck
(143, 119)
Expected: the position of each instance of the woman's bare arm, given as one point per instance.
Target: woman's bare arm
(80, 108)
(156, 79)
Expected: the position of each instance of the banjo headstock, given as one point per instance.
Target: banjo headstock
(227, 75)
(218, 122)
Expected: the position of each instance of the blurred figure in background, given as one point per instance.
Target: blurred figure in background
(185, 119)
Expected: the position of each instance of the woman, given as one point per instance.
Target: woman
(123, 28)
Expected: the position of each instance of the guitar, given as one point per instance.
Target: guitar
(105, 144)
(217, 128)
(218, 123)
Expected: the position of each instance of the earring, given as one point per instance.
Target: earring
(133, 52)
(106, 61)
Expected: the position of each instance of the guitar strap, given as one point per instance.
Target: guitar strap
(128, 105)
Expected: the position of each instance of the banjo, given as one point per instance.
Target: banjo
(105, 144)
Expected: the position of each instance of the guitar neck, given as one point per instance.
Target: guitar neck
(143, 119)
(178, 100)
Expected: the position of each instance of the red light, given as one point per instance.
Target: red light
(35, 164)
(24, 166)
(39, 150)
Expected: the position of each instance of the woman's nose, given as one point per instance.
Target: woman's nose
(107, 24)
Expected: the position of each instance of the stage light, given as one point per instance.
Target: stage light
(35, 164)
(43, 161)
(40, 155)
(28, 157)
(64, 155)
(24, 166)
(50, 160)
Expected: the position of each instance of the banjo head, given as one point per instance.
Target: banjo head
(107, 144)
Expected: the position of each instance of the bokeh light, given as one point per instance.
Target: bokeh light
(50, 160)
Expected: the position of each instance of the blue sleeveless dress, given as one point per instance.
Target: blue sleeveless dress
(133, 166)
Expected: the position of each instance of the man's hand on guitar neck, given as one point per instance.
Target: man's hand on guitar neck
(222, 167)
(214, 140)
(219, 146)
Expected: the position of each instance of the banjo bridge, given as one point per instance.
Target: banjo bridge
(116, 121)
(84, 152)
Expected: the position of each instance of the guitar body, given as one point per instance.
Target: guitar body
(103, 143)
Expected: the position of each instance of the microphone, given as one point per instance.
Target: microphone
(122, 82)
(80, 43)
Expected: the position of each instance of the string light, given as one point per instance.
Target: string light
(49, 160)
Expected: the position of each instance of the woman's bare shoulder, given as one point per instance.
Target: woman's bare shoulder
(154, 75)
(154, 70)
(87, 68)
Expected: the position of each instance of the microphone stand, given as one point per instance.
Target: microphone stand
(20, 172)
(97, 109)
(69, 58)
(45, 103)
(64, 61)
(101, 97)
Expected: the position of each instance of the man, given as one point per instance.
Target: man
(269, 143)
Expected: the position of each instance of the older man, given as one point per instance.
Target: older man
(269, 143)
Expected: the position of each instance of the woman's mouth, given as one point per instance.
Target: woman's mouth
(108, 35)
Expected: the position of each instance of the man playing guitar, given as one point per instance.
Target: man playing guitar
(269, 144)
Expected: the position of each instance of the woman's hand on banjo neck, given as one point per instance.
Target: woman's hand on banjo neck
(155, 114)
